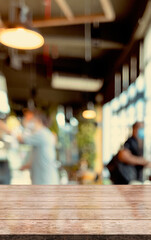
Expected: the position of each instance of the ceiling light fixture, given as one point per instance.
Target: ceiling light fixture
(90, 113)
(19, 33)
(21, 38)
(76, 83)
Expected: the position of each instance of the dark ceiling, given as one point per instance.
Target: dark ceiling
(64, 49)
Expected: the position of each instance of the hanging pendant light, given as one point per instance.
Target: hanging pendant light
(90, 113)
(19, 33)
(21, 38)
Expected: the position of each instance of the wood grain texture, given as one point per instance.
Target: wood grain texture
(75, 210)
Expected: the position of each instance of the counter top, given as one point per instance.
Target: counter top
(60, 212)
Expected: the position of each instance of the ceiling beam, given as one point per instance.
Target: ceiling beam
(54, 22)
(108, 9)
(107, 16)
(143, 23)
(65, 8)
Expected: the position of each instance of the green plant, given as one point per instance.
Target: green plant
(52, 114)
(85, 139)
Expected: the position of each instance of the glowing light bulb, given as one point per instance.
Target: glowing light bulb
(89, 114)
(21, 38)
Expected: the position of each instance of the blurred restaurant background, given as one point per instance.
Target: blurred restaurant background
(89, 71)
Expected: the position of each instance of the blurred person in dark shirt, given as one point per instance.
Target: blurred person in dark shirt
(131, 157)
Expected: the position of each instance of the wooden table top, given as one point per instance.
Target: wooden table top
(75, 210)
